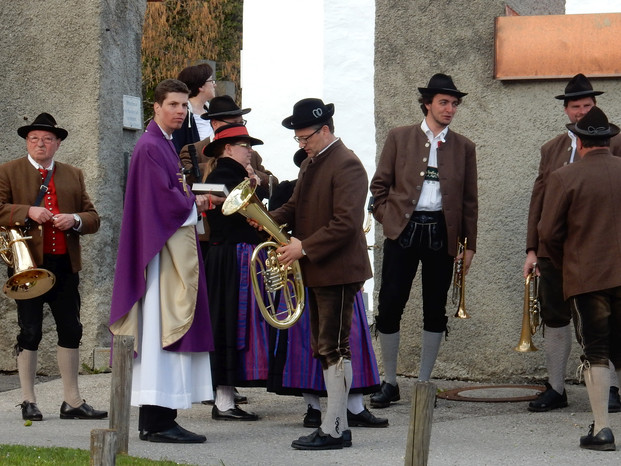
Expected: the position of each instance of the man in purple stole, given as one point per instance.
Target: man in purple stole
(160, 293)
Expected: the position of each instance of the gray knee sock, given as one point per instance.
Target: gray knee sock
(429, 354)
(338, 380)
(27, 369)
(390, 350)
(557, 348)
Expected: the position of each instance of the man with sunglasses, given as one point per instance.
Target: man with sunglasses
(327, 213)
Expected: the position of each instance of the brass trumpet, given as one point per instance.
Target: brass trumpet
(530, 316)
(459, 281)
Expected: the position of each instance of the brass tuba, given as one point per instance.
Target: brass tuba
(27, 281)
(530, 315)
(276, 277)
(459, 281)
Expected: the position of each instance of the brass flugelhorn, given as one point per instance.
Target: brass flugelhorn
(276, 277)
(28, 281)
(530, 314)
(459, 281)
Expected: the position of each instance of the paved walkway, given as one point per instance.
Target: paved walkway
(463, 433)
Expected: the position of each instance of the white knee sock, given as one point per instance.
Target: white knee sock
(597, 379)
(429, 354)
(338, 380)
(312, 400)
(390, 350)
(27, 369)
(557, 345)
(69, 364)
(355, 403)
(225, 397)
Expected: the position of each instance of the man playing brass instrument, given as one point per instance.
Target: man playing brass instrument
(55, 221)
(580, 229)
(425, 190)
(578, 99)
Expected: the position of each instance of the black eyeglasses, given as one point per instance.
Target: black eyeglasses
(304, 139)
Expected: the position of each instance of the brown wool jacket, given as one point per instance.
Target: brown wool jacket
(326, 213)
(580, 225)
(19, 186)
(554, 154)
(398, 180)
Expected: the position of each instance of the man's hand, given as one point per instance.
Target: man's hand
(206, 202)
(531, 260)
(290, 252)
(63, 221)
(40, 214)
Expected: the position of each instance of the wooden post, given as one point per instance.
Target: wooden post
(421, 415)
(103, 447)
(121, 389)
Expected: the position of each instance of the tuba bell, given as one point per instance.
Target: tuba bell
(277, 279)
(459, 281)
(28, 281)
(530, 315)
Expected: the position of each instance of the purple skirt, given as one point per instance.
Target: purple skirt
(293, 370)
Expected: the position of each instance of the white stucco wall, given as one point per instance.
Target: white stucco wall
(293, 49)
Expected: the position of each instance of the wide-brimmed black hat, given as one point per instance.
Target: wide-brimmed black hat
(578, 87)
(43, 122)
(308, 112)
(441, 84)
(594, 125)
(227, 134)
(222, 107)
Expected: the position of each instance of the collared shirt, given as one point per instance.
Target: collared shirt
(39, 166)
(573, 138)
(430, 197)
(324, 149)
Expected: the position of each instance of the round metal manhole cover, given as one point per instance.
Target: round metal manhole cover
(493, 393)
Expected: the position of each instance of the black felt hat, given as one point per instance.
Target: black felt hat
(308, 112)
(594, 125)
(441, 84)
(222, 107)
(299, 157)
(43, 122)
(578, 87)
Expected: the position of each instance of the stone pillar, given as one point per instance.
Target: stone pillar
(76, 60)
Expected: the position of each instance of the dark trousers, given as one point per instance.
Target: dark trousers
(331, 310)
(597, 320)
(423, 241)
(555, 311)
(153, 418)
(64, 302)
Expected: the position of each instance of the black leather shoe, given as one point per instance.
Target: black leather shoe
(312, 418)
(175, 434)
(603, 441)
(30, 411)
(548, 400)
(318, 441)
(347, 438)
(614, 402)
(386, 395)
(365, 419)
(233, 414)
(84, 411)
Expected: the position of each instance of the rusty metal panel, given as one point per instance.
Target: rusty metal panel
(557, 46)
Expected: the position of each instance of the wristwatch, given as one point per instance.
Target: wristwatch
(76, 220)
